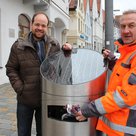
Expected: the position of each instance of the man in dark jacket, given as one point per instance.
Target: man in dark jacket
(23, 70)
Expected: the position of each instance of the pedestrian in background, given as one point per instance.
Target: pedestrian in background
(117, 109)
(23, 70)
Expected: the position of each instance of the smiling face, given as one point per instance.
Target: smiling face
(128, 27)
(39, 26)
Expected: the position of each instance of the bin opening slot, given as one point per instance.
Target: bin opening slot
(59, 112)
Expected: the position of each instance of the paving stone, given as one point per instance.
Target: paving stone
(8, 124)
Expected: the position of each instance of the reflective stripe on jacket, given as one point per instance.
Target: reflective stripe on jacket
(120, 99)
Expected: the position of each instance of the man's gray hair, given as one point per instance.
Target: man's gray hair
(129, 12)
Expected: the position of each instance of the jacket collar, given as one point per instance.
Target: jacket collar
(119, 43)
(28, 41)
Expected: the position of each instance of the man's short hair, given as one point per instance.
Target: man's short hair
(38, 13)
(129, 12)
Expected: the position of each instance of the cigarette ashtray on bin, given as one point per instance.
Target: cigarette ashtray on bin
(73, 79)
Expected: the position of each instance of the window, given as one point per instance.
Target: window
(24, 25)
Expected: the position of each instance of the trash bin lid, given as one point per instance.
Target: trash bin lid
(80, 66)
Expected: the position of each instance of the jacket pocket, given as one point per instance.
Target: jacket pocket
(18, 87)
(20, 90)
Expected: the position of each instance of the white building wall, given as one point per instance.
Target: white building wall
(9, 12)
(73, 27)
(94, 17)
(88, 27)
(63, 4)
(55, 11)
(97, 27)
(100, 31)
(59, 9)
(77, 24)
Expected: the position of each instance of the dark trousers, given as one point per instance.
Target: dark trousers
(25, 117)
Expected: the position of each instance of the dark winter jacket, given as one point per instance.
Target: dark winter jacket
(23, 69)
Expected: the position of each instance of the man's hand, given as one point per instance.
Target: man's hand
(67, 49)
(105, 53)
(108, 54)
(79, 116)
(76, 111)
(67, 46)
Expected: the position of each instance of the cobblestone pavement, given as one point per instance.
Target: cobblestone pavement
(8, 112)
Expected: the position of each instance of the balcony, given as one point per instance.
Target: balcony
(36, 2)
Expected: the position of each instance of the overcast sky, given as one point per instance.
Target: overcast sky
(123, 5)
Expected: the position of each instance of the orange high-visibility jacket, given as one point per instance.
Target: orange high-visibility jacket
(118, 106)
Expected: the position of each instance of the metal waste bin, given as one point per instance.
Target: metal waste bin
(70, 79)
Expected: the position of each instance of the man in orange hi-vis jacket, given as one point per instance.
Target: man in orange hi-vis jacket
(117, 108)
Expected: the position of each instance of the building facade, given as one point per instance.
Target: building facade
(76, 31)
(86, 24)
